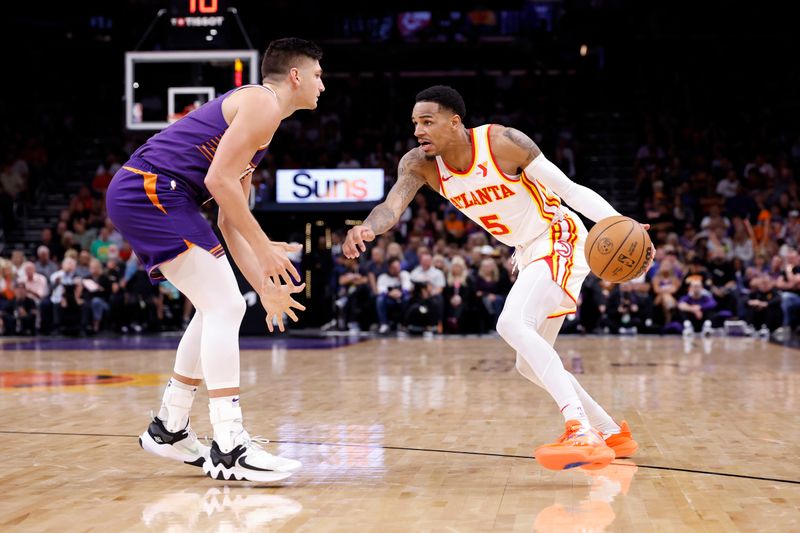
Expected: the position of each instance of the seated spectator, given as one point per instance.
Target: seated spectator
(394, 249)
(53, 245)
(96, 296)
(21, 315)
(419, 316)
(487, 285)
(665, 288)
(624, 311)
(66, 297)
(84, 262)
(723, 286)
(6, 286)
(375, 267)
(140, 300)
(763, 306)
(696, 307)
(459, 298)
(354, 296)
(100, 245)
(38, 289)
(394, 286)
(115, 273)
(170, 309)
(43, 264)
(7, 279)
(425, 272)
(728, 186)
(788, 282)
(17, 259)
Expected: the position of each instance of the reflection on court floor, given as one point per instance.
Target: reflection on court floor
(407, 434)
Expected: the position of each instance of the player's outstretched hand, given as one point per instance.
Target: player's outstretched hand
(354, 242)
(275, 263)
(277, 300)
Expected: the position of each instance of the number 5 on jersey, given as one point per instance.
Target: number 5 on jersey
(493, 226)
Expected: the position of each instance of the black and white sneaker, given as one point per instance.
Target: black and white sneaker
(181, 446)
(248, 461)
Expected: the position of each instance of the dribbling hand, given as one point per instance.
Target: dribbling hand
(653, 248)
(277, 300)
(354, 242)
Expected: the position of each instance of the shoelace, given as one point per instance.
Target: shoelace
(257, 442)
(247, 441)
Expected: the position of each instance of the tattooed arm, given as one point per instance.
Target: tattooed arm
(409, 181)
(516, 146)
(515, 151)
(385, 215)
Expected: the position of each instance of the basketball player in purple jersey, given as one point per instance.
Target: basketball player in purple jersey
(154, 201)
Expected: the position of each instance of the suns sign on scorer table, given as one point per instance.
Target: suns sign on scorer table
(329, 185)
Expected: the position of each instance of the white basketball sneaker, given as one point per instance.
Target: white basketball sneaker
(248, 461)
(181, 446)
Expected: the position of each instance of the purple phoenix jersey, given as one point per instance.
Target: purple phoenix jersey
(154, 200)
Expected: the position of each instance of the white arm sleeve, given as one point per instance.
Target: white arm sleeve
(580, 198)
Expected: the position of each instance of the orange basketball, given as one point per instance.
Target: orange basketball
(618, 249)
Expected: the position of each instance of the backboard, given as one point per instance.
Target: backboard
(161, 87)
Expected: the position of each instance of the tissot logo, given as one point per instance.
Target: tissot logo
(330, 185)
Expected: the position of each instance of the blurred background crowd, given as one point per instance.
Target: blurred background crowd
(705, 151)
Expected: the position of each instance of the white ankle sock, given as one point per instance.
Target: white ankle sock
(597, 416)
(573, 410)
(176, 404)
(226, 418)
(607, 428)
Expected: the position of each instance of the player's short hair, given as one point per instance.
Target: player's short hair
(282, 54)
(444, 96)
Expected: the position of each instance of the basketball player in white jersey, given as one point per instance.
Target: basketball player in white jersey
(499, 178)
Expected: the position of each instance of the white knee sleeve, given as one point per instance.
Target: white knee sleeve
(211, 286)
(187, 360)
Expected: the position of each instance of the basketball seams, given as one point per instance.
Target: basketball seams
(617, 249)
(626, 267)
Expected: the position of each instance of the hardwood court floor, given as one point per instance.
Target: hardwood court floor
(411, 435)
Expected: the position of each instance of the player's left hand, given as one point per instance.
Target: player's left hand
(277, 300)
(354, 241)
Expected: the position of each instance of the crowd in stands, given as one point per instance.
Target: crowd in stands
(726, 224)
(84, 278)
(725, 219)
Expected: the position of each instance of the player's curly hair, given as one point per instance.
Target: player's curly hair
(444, 96)
(281, 55)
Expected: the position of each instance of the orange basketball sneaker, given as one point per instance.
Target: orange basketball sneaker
(622, 443)
(578, 446)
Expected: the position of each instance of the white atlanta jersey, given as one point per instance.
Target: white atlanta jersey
(519, 211)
